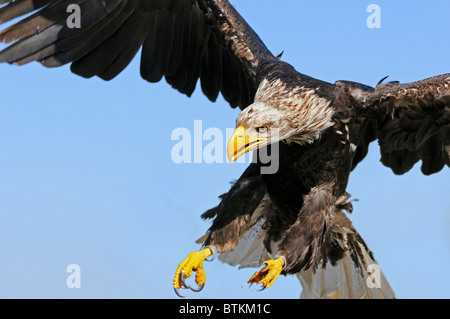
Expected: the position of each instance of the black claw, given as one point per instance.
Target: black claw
(197, 289)
(183, 281)
(178, 294)
(262, 288)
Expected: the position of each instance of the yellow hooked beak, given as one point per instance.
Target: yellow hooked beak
(241, 142)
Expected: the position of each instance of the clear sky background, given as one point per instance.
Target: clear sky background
(86, 175)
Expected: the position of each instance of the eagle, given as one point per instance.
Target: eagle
(291, 220)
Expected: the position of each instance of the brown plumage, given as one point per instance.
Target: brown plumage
(322, 129)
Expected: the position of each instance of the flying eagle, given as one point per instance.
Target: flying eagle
(292, 220)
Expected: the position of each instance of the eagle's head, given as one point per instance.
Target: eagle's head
(278, 114)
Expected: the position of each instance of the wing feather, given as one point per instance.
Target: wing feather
(413, 122)
(70, 43)
(94, 62)
(181, 40)
(211, 74)
(175, 54)
(75, 45)
(155, 51)
(141, 24)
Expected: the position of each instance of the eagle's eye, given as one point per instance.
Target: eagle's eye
(263, 128)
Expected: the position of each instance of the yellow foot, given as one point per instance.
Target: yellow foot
(267, 275)
(193, 262)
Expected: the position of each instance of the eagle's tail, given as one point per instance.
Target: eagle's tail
(350, 278)
(356, 275)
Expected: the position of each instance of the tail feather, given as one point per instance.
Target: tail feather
(346, 280)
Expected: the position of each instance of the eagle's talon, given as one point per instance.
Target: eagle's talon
(193, 262)
(267, 275)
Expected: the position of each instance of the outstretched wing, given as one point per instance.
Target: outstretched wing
(182, 40)
(413, 122)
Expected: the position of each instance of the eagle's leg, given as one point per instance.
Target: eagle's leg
(193, 262)
(269, 273)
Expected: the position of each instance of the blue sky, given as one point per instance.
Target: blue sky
(86, 175)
